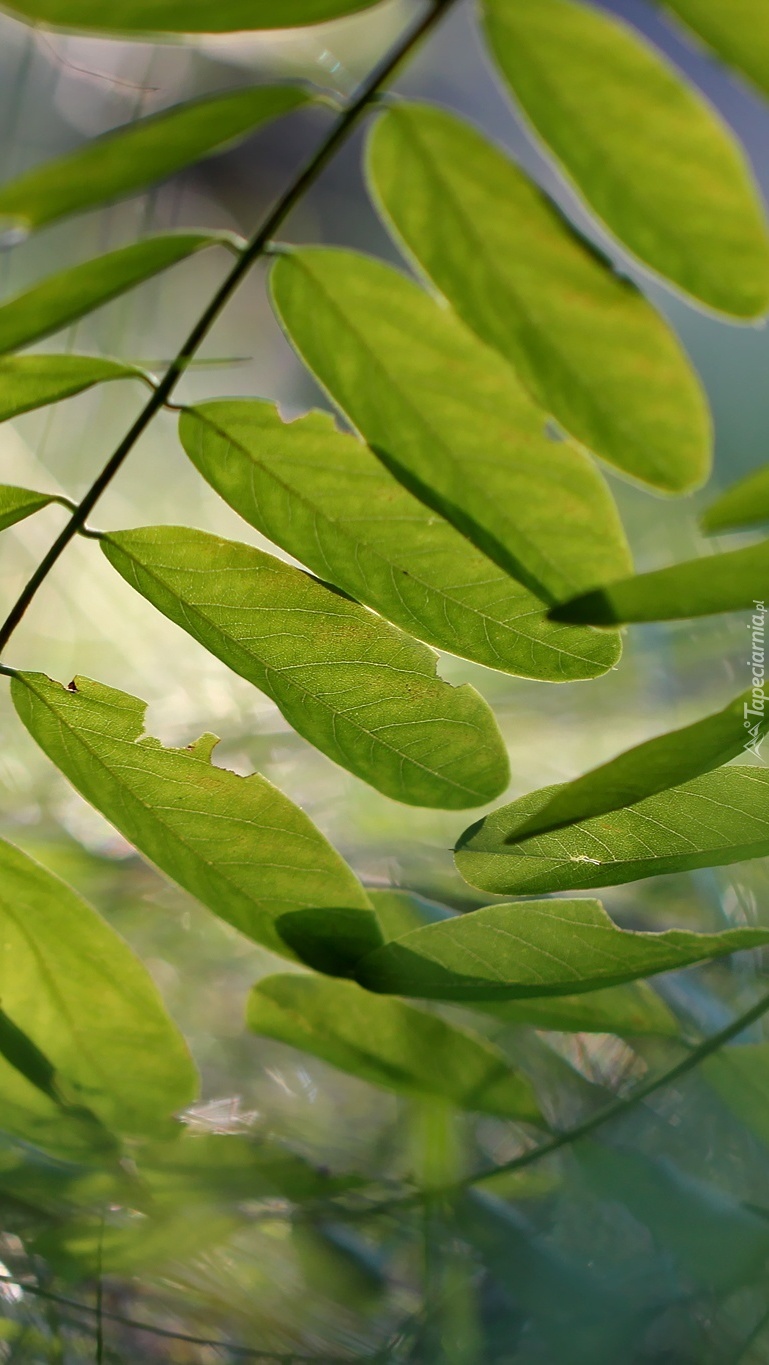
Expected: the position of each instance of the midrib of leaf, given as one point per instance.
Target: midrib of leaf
(370, 735)
(443, 594)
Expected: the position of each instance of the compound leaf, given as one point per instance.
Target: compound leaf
(33, 381)
(236, 843)
(18, 503)
(127, 160)
(721, 817)
(746, 503)
(739, 33)
(362, 691)
(535, 948)
(648, 153)
(588, 346)
(449, 418)
(389, 1043)
(125, 17)
(323, 496)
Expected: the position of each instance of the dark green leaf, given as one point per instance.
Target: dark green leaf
(65, 297)
(138, 154)
(737, 32)
(18, 503)
(389, 1043)
(746, 503)
(325, 498)
(229, 1168)
(722, 817)
(650, 155)
(586, 343)
(194, 16)
(86, 1004)
(447, 415)
(359, 689)
(735, 581)
(660, 763)
(535, 948)
(236, 843)
(32, 381)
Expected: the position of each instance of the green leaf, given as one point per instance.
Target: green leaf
(236, 843)
(651, 157)
(127, 160)
(588, 346)
(735, 581)
(664, 762)
(359, 689)
(194, 16)
(746, 503)
(81, 998)
(33, 381)
(325, 498)
(535, 948)
(449, 418)
(228, 1167)
(389, 1043)
(71, 294)
(722, 817)
(740, 1076)
(18, 503)
(738, 33)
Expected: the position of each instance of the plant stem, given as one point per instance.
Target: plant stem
(337, 136)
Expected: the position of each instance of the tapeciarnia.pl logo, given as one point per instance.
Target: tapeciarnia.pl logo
(754, 710)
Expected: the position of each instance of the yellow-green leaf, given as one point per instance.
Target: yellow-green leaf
(738, 32)
(746, 503)
(125, 17)
(33, 381)
(18, 503)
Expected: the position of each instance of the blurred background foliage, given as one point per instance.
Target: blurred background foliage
(664, 1268)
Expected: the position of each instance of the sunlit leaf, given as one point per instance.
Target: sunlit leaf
(586, 343)
(63, 298)
(325, 498)
(449, 418)
(194, 16)
(138, 154)
(33, 381)
(236, 843)
(746, 503)
(735, 581)
(648, 153)
(535, 948)
(389, 1043)
(83, 999)
(737, 32)
(18, 503)
(721, 817)
(740, 1076)
(359, 689)
(660, 763)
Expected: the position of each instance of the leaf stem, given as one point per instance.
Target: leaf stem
(328, 148)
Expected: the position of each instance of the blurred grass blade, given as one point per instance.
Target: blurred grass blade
(125, 17)
(722, 817)
(236, 843)
(18, 503)
(738, 33)
(80, 996)
(665, 761)
(71, 294)
(651, 157)
(34, 381)
(735, 581)
(362, 691)
(535, 948)
(324, 497)
(390, 1044)
(139, 154)
(746, 503)
(588, 346)
(449, 418)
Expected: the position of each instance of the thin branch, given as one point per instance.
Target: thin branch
(338, 135)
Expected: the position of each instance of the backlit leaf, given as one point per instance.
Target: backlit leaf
(586, 343)
(359, 689)
(236, 843)
(535, 948)
(18, 503)
(389, 1043)
(449, 418)
(32, 381)
(746, 503)
(648, 153)
(69, 295)
(126, 160)
(194, 16)
(324, 497)
(722, 817)
(660, 763)
(83, 999)
(735, 581)
(737, 32)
